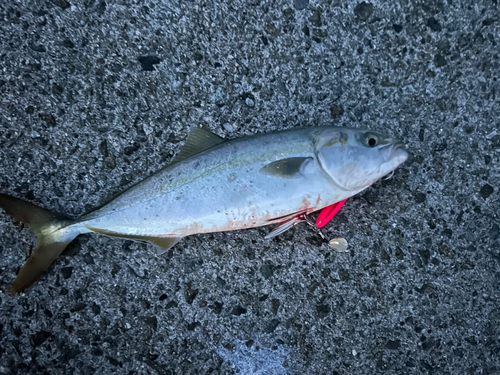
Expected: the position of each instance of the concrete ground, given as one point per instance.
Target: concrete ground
(96, 95)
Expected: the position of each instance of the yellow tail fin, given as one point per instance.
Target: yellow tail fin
(53, 234)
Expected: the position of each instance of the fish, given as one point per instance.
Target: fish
(218, 185)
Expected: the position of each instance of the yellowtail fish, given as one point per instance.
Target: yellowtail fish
(216, 185)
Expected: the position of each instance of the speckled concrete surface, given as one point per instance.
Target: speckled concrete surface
(96, 95)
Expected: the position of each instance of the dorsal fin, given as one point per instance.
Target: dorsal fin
(198, 140)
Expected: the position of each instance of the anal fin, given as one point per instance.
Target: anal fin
(162, 243)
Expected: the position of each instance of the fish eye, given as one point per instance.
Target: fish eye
(372, 141)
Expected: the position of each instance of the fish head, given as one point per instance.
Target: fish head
(355, 159)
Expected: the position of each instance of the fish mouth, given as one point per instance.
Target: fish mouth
(398, 144)
(396, 154)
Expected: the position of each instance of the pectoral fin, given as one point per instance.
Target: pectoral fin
(286, 168)
(285, 225)
(162, 243)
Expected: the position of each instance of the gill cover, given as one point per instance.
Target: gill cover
(355, 159)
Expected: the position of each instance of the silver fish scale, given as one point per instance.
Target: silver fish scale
(198, 196)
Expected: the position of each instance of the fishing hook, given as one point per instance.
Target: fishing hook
(389, 176)
(312, 224)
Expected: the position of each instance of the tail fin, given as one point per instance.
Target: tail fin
(52, 233)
